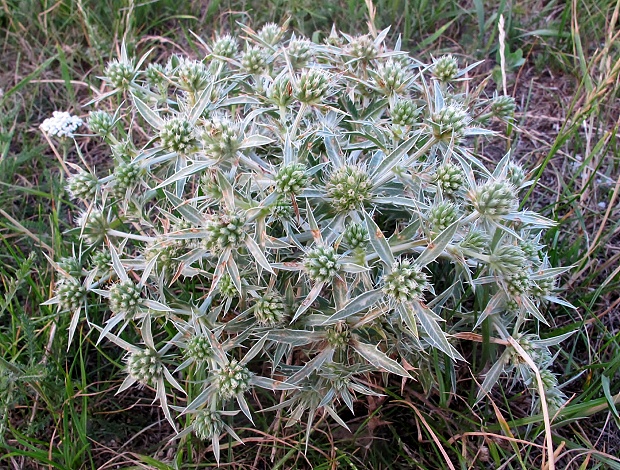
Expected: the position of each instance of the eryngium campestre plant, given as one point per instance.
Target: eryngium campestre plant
(317, 205)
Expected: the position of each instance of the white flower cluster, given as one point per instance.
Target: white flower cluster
(61, 124)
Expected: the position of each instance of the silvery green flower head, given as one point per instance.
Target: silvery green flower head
(225, 46)
(61, 124)
(446, 68)
(362, 48)
(449, 123)
(493, 199)
(120, 73)
(83, 185)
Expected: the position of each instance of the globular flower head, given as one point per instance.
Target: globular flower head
(338, 338)
(442, 215)
(254, 60)
(226, 230)
(100, 123)
(355, 236)
(126, 175)
(446, 68)
(101, 260)
(94, 225)
(208, 424)
(61, 124)
(120, 74)
(145, 366)
(280, 92)
(321, 264)
(232, 379)
(348, 187)
(507, 259)
(71, 294)
(291, 179)
(404, 113)
(177, 135)
(282, 209)
(543, 287)
(155, 74)
(516, 174)
(494, 198)
(225, 46)
(269, 310)
(312, 86)
(299, 52)
(192, 75)
(450, 122)
(363, 48)
(270, 33)
(166, 251)
(391, 77)
(83, 185)
(406, 282)
(450, 178)
(517, 283)
(221, 138)
(475, 240)
(199, 349)
(227, 287)
(70, 265)
(503, 106)
(125, 297)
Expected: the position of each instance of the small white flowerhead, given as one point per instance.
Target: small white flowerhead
(61, 124)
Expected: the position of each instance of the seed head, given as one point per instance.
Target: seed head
(543, 287)
(404, 113)
(232, 380)
(321, 264)
(476, 241)
(446, 68)
(177, 135)
(291, 179)
(83, 185)
(70, 265)
(71, 294)
(348, 188)
(270, 310)
(145, 366)
(406, 282)
(312, 86)
(100, 123)
(120, 74)
(494, 199)
(125, 298)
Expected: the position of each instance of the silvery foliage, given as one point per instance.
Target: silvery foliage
(315, 206)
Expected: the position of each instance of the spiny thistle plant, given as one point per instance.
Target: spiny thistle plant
(318, 206)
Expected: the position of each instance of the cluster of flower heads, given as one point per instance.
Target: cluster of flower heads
(61, 124)
(316, 205)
